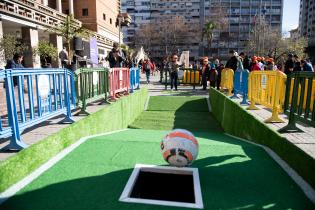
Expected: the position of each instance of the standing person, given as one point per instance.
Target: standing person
(246, 61)
(306, 66)
(64, 57)
(174, 68)
(297, 63)
(213, 76)
(289, 65)
(269, 64)
(115, 57)
(205, 70)
(147, 67)
(219, 67)
(15, 63)
(255, 66)
(154, 68)
(260, 63)
(232, 62)
(163, 69)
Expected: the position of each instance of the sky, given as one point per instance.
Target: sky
(291, 12)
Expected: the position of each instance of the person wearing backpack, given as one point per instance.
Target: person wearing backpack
(147, 67)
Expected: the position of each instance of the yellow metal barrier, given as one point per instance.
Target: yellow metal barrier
(305, 94)
(227, 79)
(189, 77)
(267, 88)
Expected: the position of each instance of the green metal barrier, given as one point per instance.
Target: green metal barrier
(299, 101)
(91, 85)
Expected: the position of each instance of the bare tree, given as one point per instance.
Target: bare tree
(165, 35)
(145, 37)
(262, 37)
(267, 41)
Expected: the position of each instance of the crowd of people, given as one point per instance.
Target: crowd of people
(256, 63)
(210, 71)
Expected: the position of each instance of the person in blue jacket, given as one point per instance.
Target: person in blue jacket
(15, 63)
(306, 66)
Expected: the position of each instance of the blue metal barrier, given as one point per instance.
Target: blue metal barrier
(134, 79)
(41, 94)
(241, 85)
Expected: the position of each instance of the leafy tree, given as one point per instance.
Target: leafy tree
(45, 50)
(68, 30)
(217, 22)
(9, 45)
(208, 32)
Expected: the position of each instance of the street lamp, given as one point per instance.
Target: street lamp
(123, 20)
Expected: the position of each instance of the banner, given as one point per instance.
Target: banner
(93, 51)
(184, 59)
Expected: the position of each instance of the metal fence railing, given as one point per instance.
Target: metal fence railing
(299, 103)
(91, 85)
(33, 96)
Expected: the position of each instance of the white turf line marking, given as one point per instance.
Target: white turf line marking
(11, 191)
(209, 105)
(147, 103)
(306, 188)
(125, 196)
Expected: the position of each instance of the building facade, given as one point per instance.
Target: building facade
(240, 14)
(140, 13)
(29, 20)
(307, 24)
(156, 12)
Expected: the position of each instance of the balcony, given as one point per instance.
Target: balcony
(32, 11)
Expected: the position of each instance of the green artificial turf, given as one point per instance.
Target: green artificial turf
(178, 103)
(170, 112)
(233, 175)
(168, 120)
(239, 122)
(116, 116)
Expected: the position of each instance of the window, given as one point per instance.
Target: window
(104, 16)
(110, 21)
(85, 12)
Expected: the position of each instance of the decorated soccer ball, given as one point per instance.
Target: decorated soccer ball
(179, 148)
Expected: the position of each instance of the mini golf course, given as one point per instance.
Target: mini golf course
(233, 174)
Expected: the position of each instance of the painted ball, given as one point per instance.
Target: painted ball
(179, 148)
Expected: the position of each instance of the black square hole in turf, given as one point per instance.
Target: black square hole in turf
(163, 186)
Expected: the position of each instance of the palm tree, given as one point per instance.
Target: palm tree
(208, 29)
(69, 30)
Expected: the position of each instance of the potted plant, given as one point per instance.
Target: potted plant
(47, 52)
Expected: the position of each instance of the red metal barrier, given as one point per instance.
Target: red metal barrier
(119, 82)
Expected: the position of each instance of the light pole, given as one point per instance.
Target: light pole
(123, 20)
(120, 19)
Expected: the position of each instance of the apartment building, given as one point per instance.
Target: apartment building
(307, 24)
(241, 16)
